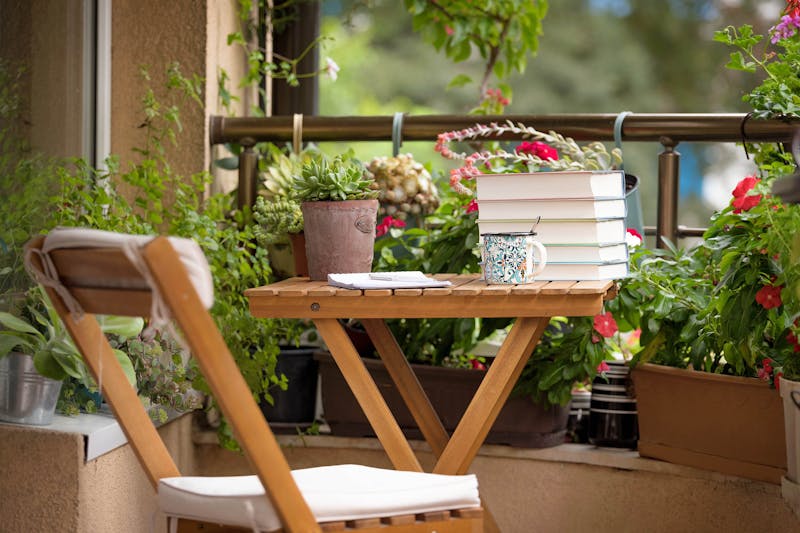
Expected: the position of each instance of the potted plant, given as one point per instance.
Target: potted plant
(278, 213)
(37, 355)
(777, 96)
(723, 312)
(339, 212)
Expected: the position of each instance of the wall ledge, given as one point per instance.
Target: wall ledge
(586, 454)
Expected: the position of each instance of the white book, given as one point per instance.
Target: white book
(587, 253)
(557, 208)
(561, 231)
(549, 185)
(583, 271)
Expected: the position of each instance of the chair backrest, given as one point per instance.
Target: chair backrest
(124, 280)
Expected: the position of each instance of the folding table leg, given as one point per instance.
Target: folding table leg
(407, 384)
(415, 397)
(491, 395)
(368, 396)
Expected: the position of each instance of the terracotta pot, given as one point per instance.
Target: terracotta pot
(340, 236)
(521, 422)
(298, 241)
(728, 424)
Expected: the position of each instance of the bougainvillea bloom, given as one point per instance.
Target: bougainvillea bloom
(605, 324)
(745, 203)
(472, 206)
(769, 296)
(386, 223)
(537, 148)
(744, 186)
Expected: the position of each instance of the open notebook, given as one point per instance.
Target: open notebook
(385, 280)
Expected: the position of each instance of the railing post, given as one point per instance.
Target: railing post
(668, 179)
(248, 160)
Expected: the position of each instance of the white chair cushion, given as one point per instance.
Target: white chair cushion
(191, 255)
(342, 492)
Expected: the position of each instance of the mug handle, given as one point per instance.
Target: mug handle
(542, 256)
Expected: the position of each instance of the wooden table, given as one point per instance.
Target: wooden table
(531, 304)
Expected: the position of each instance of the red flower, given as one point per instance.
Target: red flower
(769, 296)
(745, 203)
(603, 367)
(767, 364)
(605, 324)
(472, 206)
(477, 365)
(745, 185)
(538, 149)
(386, 223)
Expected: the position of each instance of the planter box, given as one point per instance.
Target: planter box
(728, 424)
(521, 422)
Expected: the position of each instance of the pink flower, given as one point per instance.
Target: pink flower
(603, 367)
(769, 296)
(448, 30)
(538, 149)
(745, 203)
(386, 223)
(605, 324)
(786, 28)
(472, 206)
(744, 186)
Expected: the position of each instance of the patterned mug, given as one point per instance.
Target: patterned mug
(509, 257)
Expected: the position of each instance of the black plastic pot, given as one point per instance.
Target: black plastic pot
(294, 406)
(613, 420)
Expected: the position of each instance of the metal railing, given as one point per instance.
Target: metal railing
(667, 129)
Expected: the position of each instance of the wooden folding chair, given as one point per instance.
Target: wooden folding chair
(87, 272)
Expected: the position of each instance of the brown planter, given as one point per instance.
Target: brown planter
(727, 424)
(340, 236)
(521, 422)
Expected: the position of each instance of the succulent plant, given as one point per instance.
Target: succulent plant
(276, 218)
(341, 178)
(405, 187)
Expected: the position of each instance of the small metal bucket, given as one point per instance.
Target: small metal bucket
(26, 397)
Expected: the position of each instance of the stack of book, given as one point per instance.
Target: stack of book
(578, 216)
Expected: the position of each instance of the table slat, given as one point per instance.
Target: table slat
(557, 287)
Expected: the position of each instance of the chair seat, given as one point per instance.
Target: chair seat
(334, 493)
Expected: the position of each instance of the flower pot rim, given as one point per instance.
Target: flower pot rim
(341, 202)
(685, 373)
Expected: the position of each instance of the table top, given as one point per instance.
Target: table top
(469, 296)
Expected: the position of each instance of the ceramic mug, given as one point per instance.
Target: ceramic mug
(509, 257)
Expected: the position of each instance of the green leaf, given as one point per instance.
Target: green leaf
(459, 81)
(16, 324)
(127, 366)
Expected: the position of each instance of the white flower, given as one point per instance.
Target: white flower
(632, 240)
(331, 68)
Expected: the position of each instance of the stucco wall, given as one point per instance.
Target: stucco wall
(45, 485)
(46, 39)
